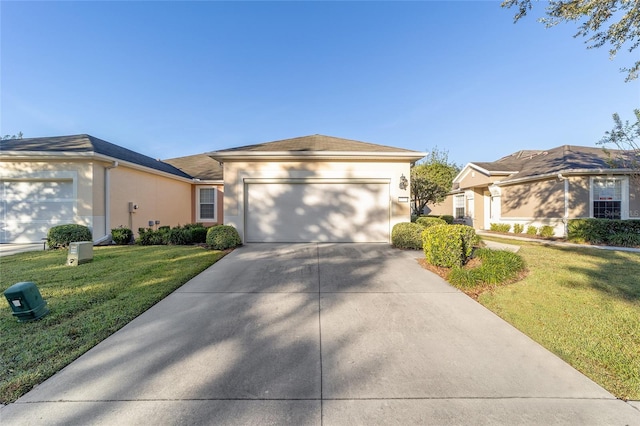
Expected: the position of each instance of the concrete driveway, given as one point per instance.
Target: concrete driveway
(332, 334)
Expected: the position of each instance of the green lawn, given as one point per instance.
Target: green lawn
(87, 303)
(583, 304)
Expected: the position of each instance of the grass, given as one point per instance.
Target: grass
(583, 304)
(87, 303)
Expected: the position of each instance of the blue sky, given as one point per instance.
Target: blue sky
(169, 79)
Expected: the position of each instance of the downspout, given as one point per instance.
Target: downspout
(107, 201)
(565, 219)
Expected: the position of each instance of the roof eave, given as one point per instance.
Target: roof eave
(565, 173)
(222, 156)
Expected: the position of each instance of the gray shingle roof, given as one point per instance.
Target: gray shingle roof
(562, 159)
(87, 144)
(200, 166)
(316, 143)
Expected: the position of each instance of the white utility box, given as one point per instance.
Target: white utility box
(80, 252)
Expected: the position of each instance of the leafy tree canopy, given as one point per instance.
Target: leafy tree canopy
(615, 23)
(624, 136)
(431, 179)
(7, 137)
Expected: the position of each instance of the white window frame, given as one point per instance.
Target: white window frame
(459, 201)
(215, 204)
(624, 189)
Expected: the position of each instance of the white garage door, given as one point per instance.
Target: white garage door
(317, 211)
(29, 208)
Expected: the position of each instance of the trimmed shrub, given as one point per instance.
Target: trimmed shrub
(532, 230)
(61, 235)
(447, 218)
(407, 235)
(449, 245)
(547, 231)
(518, 228)
(198, 233)
(223, 237)
(121, 236)
(427, 221)
(497, 267)
(500, 227)
(624, 240)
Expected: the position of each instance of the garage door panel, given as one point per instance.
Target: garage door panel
(317, 212)
(28, 208)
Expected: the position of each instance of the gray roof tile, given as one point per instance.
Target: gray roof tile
(200, 166)
(88, 144)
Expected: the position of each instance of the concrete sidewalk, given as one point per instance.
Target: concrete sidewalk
(318, 334)
(9, 249)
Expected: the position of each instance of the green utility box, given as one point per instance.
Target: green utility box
(26, 302)
(80, 252)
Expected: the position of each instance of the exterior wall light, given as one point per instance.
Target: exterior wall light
(403, 182)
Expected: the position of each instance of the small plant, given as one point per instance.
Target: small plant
(532, 230)
(61, 236)
(223, 237)
(179, 236)
(500, 227)
(150, 237)
(447, 218)
(624, 240)
(407, 235)
(497, 267)
(121, 236)
(518, 228)
(547, 231)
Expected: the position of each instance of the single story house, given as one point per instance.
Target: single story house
(313, 188)
(544, 187)
(85, 180)
(316, 189)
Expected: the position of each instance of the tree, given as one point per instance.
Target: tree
(626, 138)
(7, 137)
(431, 180)
(604, 22)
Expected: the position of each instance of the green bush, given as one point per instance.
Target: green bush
(61, 235)
(151, 237)
(121, 236)
(427, 221)
(179, 236)
(500, 227)
(447, 218)
(518, 228)
(198, 233)
(496, 267)
(449, 245)
(532, 230)
(603, 231)
(223, 237)
(624, 240)
(407, 235)
(547, 231)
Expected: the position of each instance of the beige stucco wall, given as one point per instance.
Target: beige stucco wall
(158, 198)
(445, 207)
(634, 198)
(472, 177)
(533, 200)
(236, 172)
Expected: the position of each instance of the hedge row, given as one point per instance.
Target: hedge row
(625, 233)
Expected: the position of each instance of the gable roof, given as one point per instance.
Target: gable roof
(200, 166)
(566, 159)
(316, 147)
(84, 145)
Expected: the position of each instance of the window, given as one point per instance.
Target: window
(207, 204)
(607, 197)
(458, 206)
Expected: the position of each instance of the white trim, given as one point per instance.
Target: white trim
(624, 201)
(316, 180)
(215, 203)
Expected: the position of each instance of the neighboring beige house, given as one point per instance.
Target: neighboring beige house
(83, 179)
(543, 188)
(313, 188)
(316, 189)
